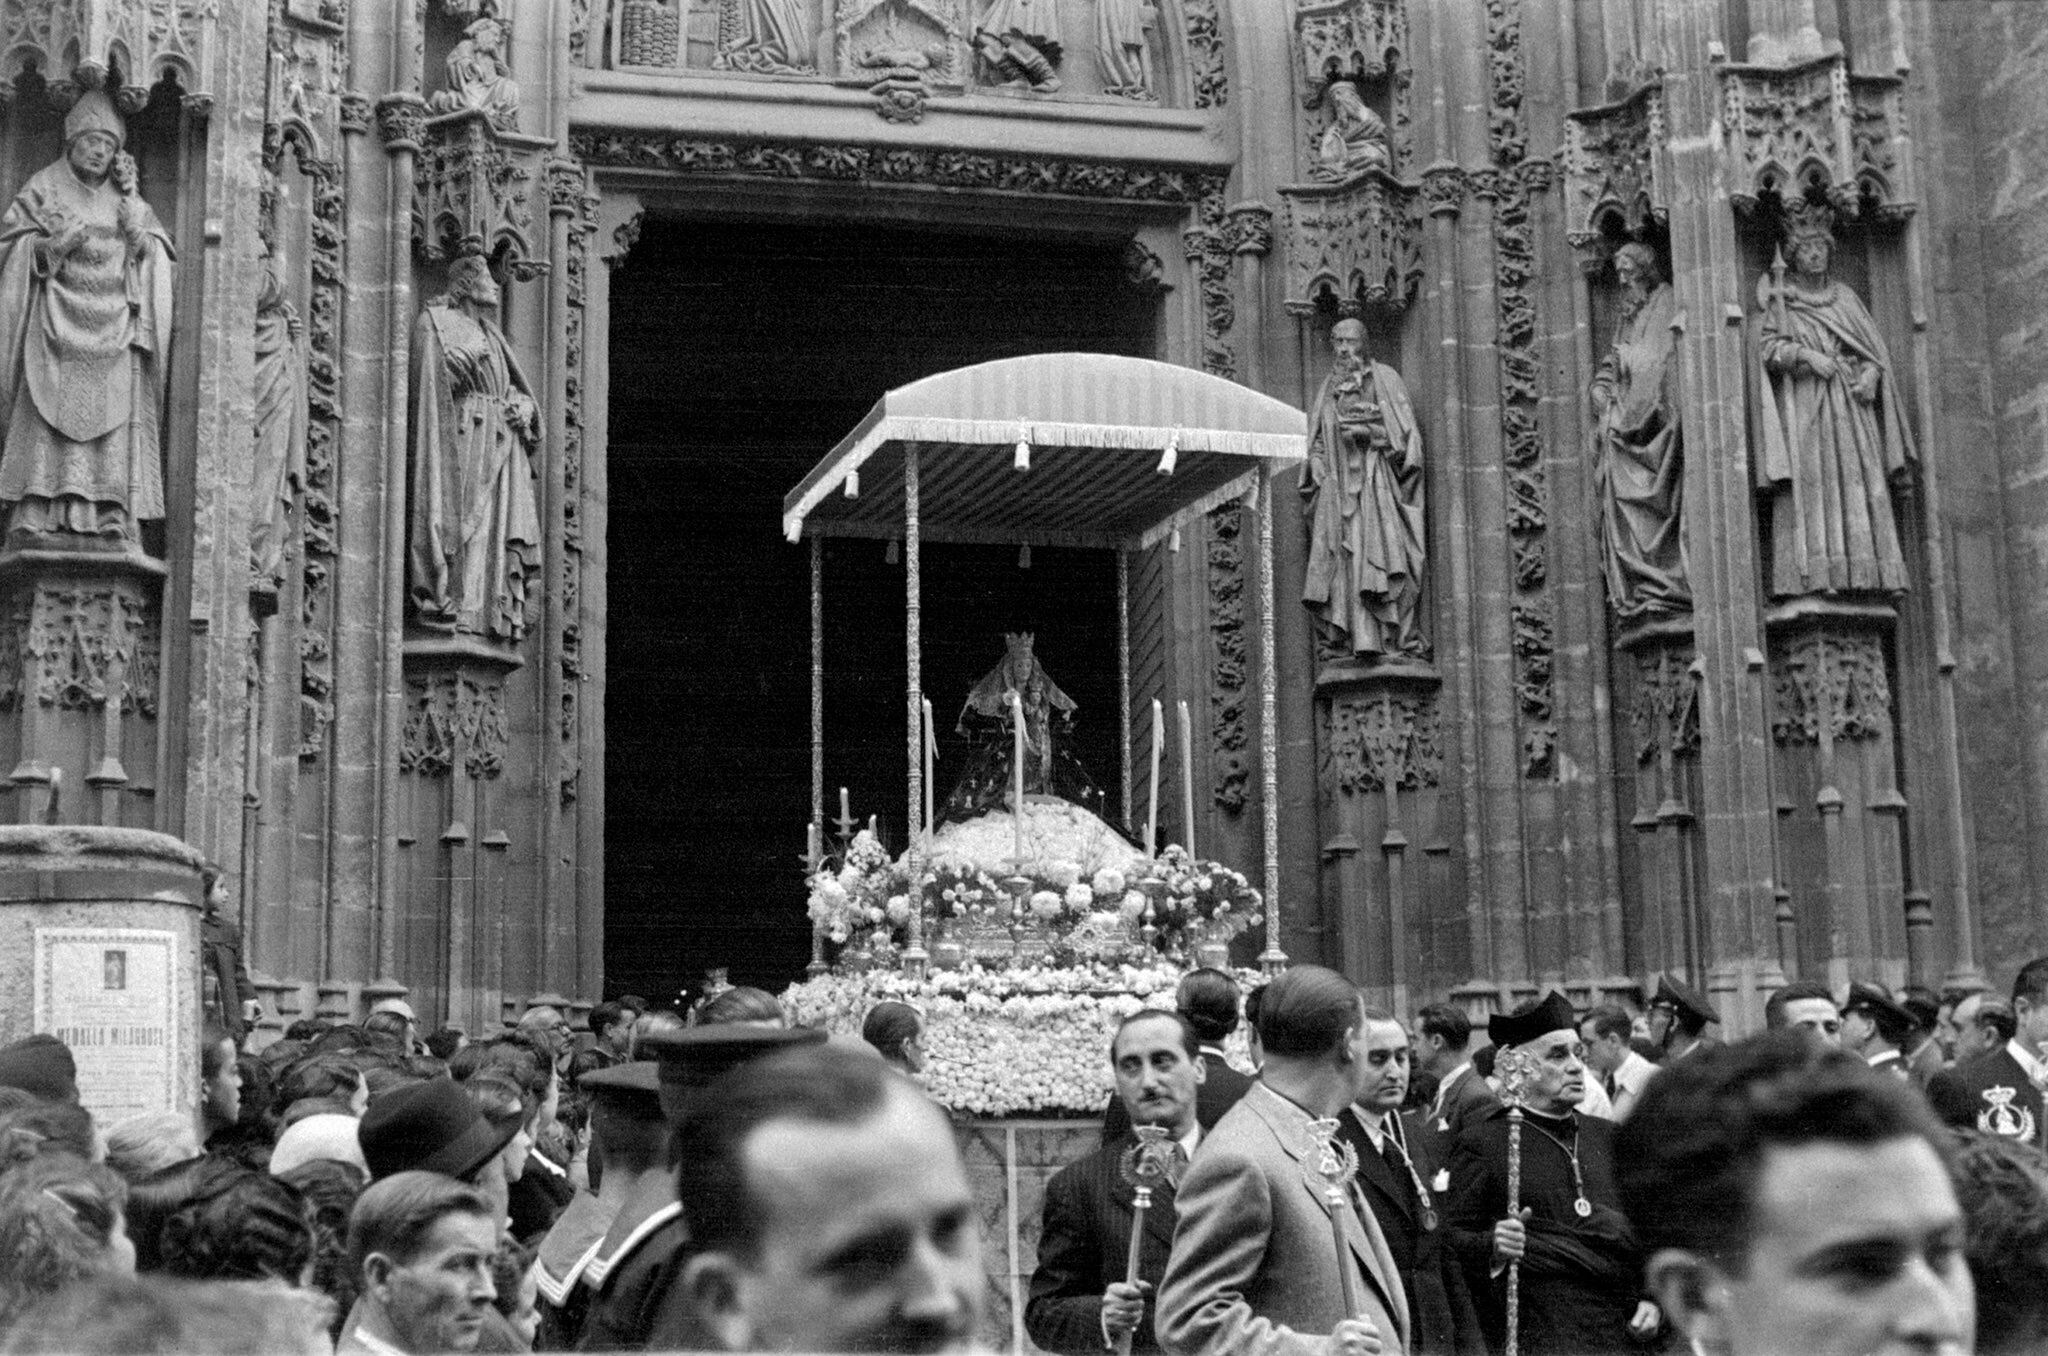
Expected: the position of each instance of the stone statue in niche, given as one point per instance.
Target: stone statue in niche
(1124, 49)
(1832, 432)
(278, 462)
(765, 37)
(1638, 455)
(1019, 41)
(1363, 484)
(85, 332)
(475, 532)
(479, 79)
(1354, 142)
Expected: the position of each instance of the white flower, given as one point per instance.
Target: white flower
(1108, 881)
(1062, 873)
(1079, 898)
(899, 908)
(1133, 906)
(1046, 904)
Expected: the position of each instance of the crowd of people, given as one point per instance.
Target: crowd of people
(1867, 1175)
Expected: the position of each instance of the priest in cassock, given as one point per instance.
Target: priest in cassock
(1080, 1299)
(1581, 1272)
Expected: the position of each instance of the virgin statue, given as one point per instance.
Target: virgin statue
(85, 333)
(475, 533)
(1639, 466)
(1363, 485)
(1832, 431)
(988, 718)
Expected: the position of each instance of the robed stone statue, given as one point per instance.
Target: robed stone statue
(1833, 433)
(1639, 466)
(475, 533)
(85, 333)
(1019, 40)
(1364, 490)
(277, 467)
(1354, 142)
(479, 79)
(1122, 47)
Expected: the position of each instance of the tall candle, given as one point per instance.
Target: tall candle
(1187, 781)
(1017, 773)
(845, 812)
(1152, 800)
(930, 753)
(814, 841)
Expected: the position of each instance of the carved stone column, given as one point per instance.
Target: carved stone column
(80, 663)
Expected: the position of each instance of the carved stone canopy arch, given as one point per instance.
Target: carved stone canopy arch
(1616, 172)
(1817, 128)
(1348, 40)
(1351, 245)
(86, 44)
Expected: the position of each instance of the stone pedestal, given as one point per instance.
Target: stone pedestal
(99, 946)
(451, 757)
(1008, 1164)
(1378, 730)
(81, 655)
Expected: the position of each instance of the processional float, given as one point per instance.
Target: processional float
(1064, 449)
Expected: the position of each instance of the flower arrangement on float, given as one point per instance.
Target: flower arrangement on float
(1078, 893)
(1029, 1040)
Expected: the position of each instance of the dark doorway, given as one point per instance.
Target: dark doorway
(740, 353)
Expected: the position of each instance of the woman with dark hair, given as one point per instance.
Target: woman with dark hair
(329, 1189)
(220, 1082)
(151, 1201)
(238, 1225)
(894, 1029)
(328, 1078)
(60, 1222)
(249, 1140)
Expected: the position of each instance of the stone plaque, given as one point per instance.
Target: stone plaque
(111, 995)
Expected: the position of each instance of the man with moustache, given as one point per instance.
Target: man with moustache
(1255, 1267)
(2000, 1091)
(1080, 1301)
(1397, 1178)
(1580, 1269)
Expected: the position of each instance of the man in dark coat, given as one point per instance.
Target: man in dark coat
(1581, 1271)
(1208, 1000)
(1679, 1017)
(2000, 1091)
(1080, 1298)
(634, 1301)
(1396, 1177)
(1443, 1049)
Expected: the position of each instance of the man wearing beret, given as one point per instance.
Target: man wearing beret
(1581, 1272)
(634, 1299)
(1875, 1026)
(1679, 1017)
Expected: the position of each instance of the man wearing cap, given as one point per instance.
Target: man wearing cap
(1921, 1051)
(85, 331)
(630, 1150)
(1679, 1018)
(40, 1064)
(1580, 1269)
(2000, 1091)
(1874, 1026)
(634, 1300)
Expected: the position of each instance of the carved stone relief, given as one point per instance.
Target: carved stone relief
(1665, 716)
(72, 42)
(1381, 741)
(765, 37)
(1228, 653)
(1830, 686)
(568, 194)
(1351, 245)
(1206, 245)
(1816, 128)
(473, 194)
(1349, 39)
(1018, 42)
(479, 78)
(451, 717)
(1123, 48)
(912, 49)
(1611, 160)
(1205, 53)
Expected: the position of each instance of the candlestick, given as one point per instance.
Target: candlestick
(1187, 782)
(845, 810)
(931, 744)
(1017, 774)
(814, 845)
(1152, 799)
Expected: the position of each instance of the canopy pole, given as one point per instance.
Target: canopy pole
(1273, 959)
(914, 953)
(815, 848)
(1123, 676)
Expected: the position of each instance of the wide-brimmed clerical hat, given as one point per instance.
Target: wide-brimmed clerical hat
(1532, 1021)
(429, 1127)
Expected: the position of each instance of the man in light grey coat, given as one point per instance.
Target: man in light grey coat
(1255, 1265)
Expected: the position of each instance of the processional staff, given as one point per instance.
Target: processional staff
(1513, 1068)
(1329, 1165)
(1146, 1165)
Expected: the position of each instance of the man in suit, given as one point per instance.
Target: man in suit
(1874, 1026)
(1442, 1050)
(2000, 1091)
(1080, 1300)
(1208, 1000)
(1395, 1177)
(1255, 1268)
(1622, 1072)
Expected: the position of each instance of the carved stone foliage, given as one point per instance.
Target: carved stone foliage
(76, 44)
(1381, 741)
(1227, 648)
(1665, 716)
(1830, 686)
(1512, 182)
(1349, 39)
(1206, 246)
(451, 717)
(1815, 127)
(74, 648)
(472, 194)
(1351, 244)
(1250, 228)
(1611, 160)
(1205, 53)
(568, 194)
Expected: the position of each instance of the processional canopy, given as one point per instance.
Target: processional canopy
(1051, 449)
